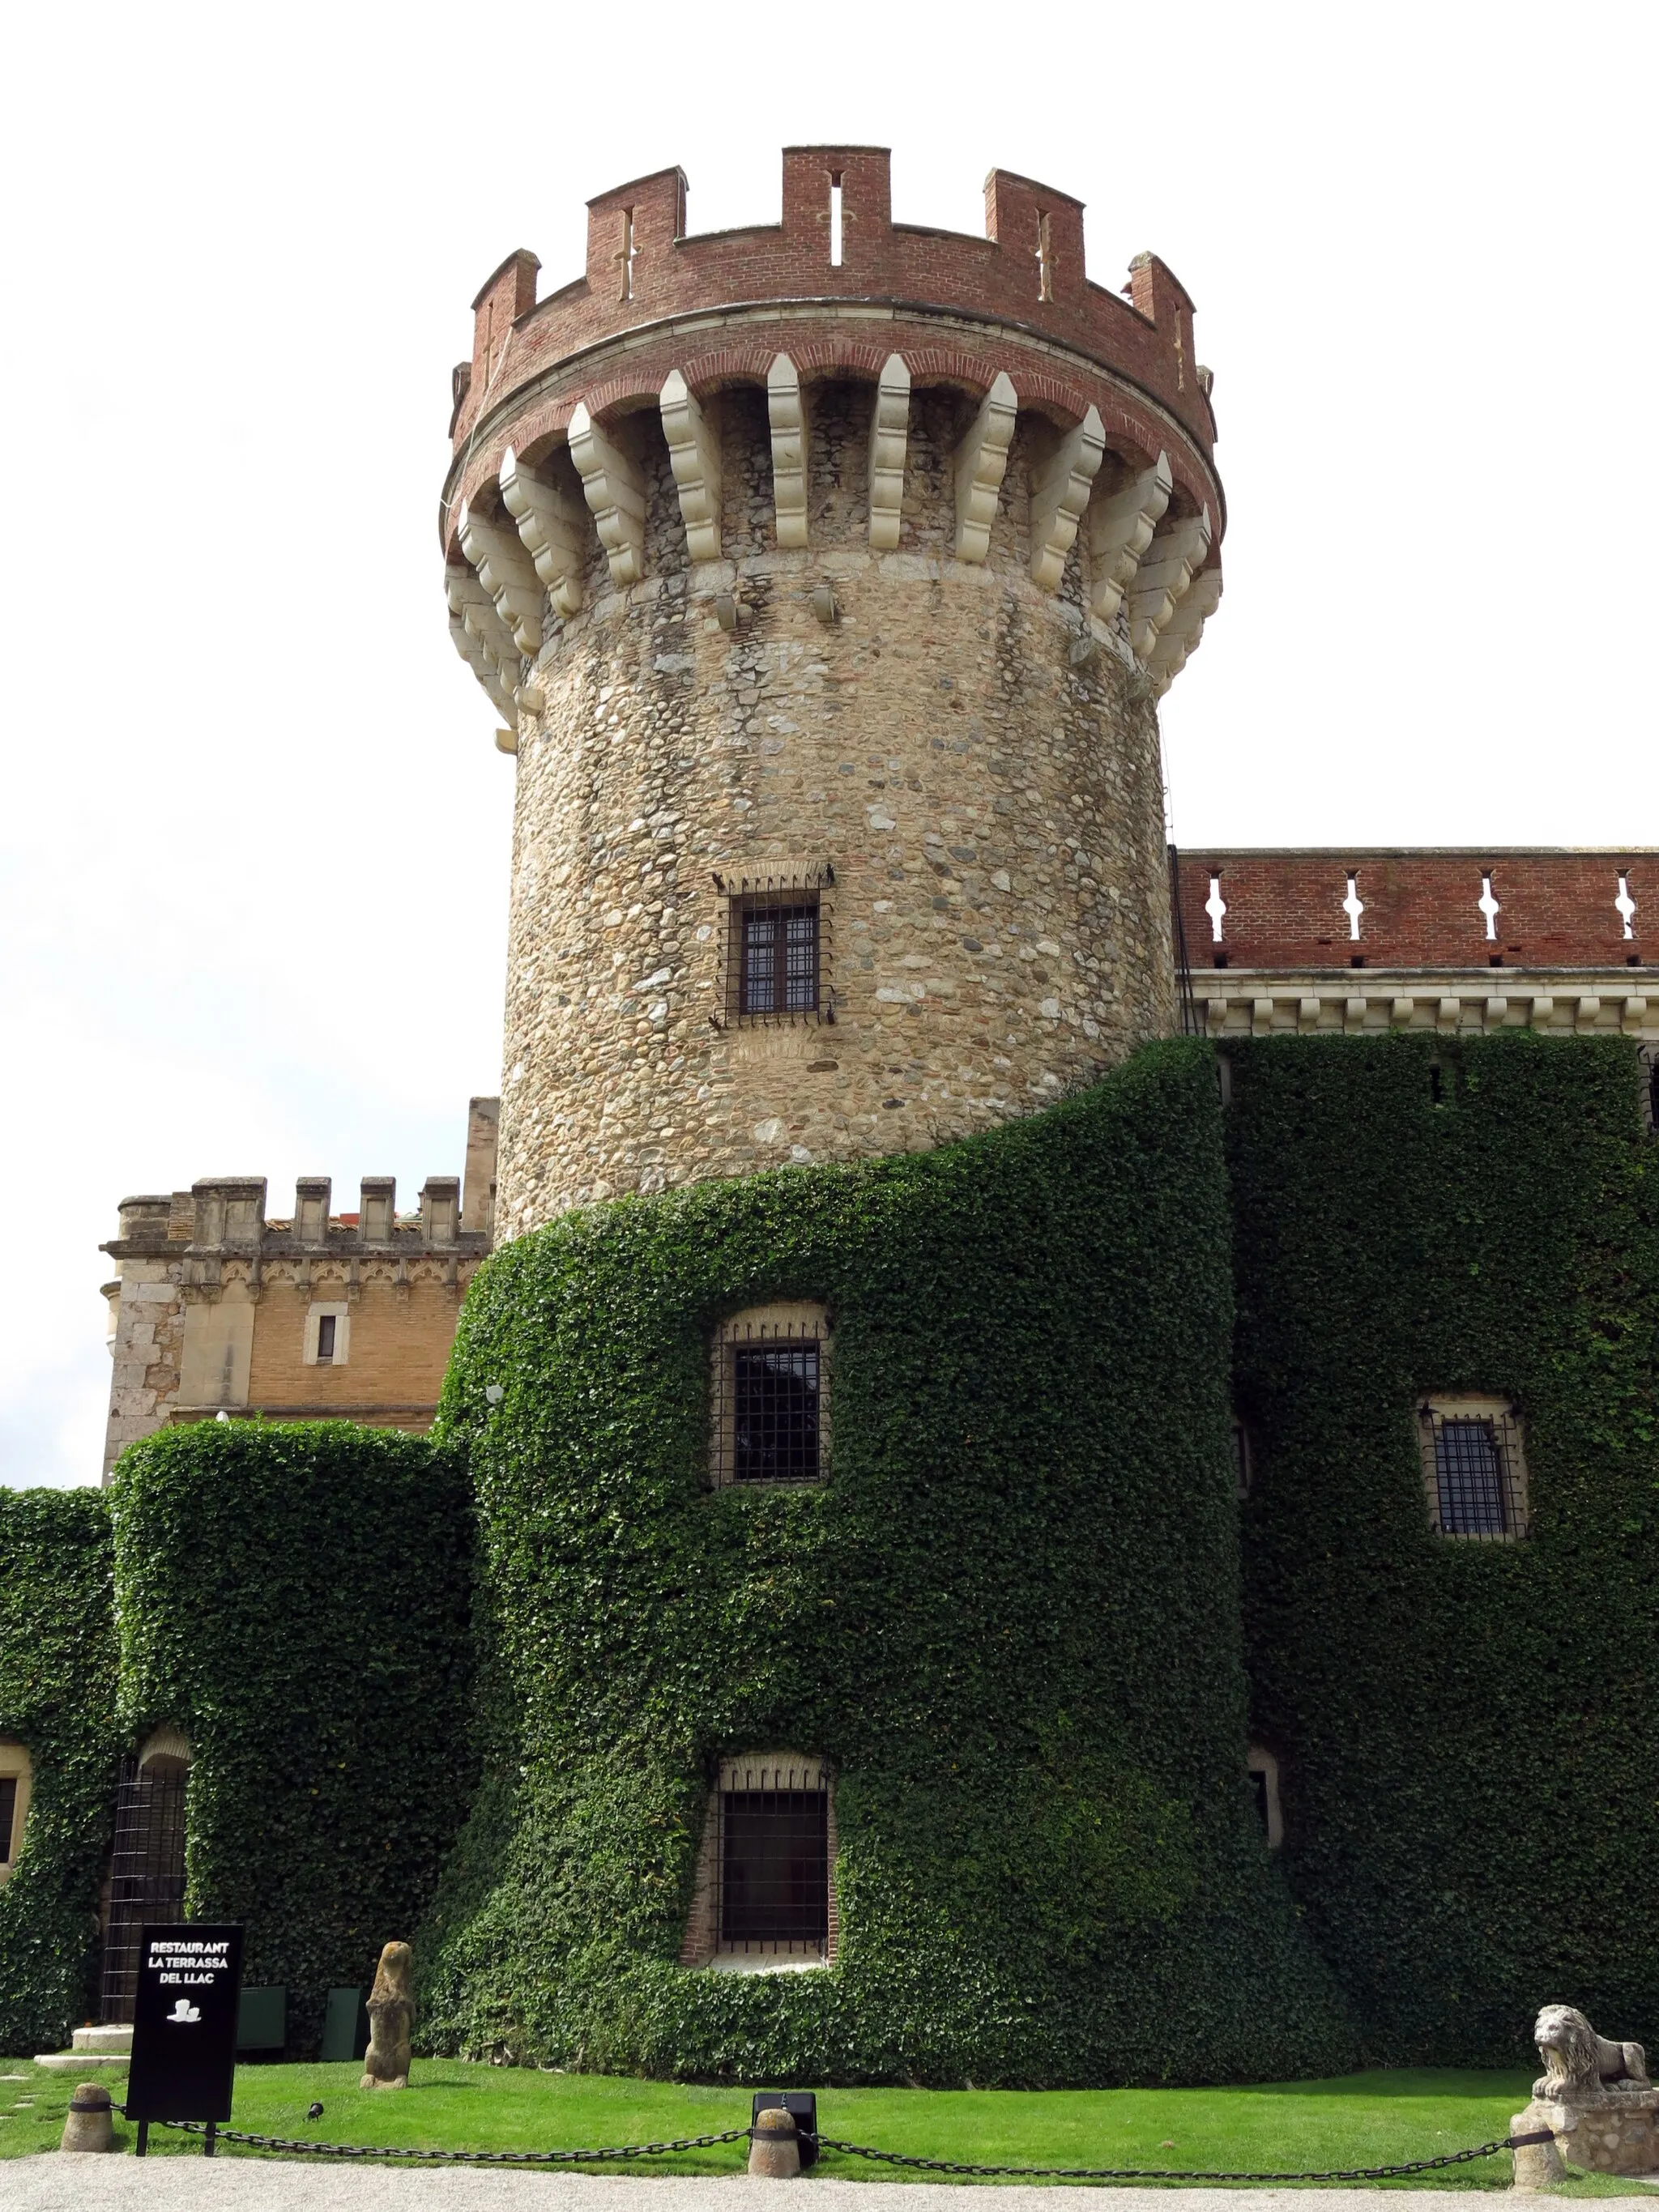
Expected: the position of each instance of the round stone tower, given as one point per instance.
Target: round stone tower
(825, 576)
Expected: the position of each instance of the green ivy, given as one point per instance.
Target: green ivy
(1010, 1619)
(296, 1599)
(58, 1699)
(1469, 1732)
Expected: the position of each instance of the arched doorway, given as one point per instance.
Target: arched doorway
(147, 1869)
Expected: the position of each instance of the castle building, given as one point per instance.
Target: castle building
(1050, 1478)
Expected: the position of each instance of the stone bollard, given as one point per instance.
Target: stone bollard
(1537, 2166)
(774, 2147)
(89, 2126)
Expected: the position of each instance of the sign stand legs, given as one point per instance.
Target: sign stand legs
(142, 2143)
(210, 2139)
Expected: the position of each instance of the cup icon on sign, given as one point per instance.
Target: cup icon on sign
(184, 2012)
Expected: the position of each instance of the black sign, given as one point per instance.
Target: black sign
(183, 2024)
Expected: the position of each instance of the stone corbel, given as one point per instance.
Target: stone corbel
(1119, 530)
(553, 529)
(889, 439)
(786, 407)
(1172, 560)
(982, 458)
(615, 495)
(508, 574)
(1060, 492)
(481, 640)
(694, 455)
(1177, 641)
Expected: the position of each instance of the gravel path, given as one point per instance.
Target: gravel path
(64, 2184)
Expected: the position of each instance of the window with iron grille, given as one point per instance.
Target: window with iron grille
(147, 1872)
(1647, 1059)
(778, 955)
(1474, 1469)
(765, 1890)
(776, 944)
(770, 1395)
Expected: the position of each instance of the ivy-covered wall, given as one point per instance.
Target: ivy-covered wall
(1469, 1731)
(58, 1699)
(296, 1599)
(1010, 1619)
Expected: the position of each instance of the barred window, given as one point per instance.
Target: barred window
(775, 959)
(1647, 1069)
(1474, 1469)
(778, 954)
(768, 1397)
(765, 1890)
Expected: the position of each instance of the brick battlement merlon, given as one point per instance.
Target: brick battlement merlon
(1027, 272)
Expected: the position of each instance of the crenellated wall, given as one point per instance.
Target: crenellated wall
(214, 1308)
(862, 577)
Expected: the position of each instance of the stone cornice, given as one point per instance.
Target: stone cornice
(1354, 1001)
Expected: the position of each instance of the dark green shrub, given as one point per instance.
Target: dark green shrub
(1010, 1619)
(1469, 1731)
(58, 1699)
(297, 1600)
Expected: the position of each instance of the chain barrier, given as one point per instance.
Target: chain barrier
(294, 2143)
(455, 2157)
(1166, 2173)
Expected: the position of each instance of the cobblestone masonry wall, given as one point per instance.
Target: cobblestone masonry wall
(997, 928)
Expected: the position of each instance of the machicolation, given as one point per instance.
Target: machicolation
(824, 576)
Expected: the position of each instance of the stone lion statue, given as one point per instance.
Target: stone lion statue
(391, 2016)
(1577, 2061)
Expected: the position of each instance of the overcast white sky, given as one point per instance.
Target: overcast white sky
(255, 841)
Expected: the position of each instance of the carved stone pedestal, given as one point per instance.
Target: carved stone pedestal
(1602, 2130)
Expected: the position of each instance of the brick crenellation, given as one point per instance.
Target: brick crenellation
(1480, 906)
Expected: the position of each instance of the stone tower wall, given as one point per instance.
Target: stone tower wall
(719, 670)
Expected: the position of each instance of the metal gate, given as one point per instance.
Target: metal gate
(147, 1876)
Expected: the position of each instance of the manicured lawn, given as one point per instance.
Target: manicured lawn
(1366, 2119)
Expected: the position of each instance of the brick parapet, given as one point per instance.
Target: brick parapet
(1420, 909)
(643, 271)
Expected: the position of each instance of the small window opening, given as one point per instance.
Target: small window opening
(325, 1327)
(625, 253)
(764, 1897)
(1262, 1770)
(774, 1866)
(769, 1393)
(15, 1776)
(1472, 1467)
(835, 219)
(1045, 260)
(1216, 907)
(1647, 1068)
(1436, 1084)
(1488, 905)
(1627, 905)
(1243, 1471)
(1354, 906)
(776, 941)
